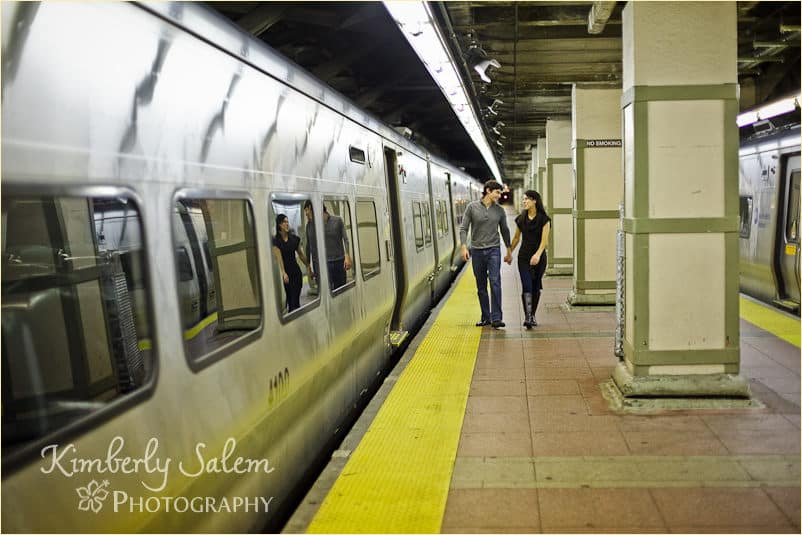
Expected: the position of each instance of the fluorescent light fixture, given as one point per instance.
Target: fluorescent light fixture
(768, 111)
(416, 22)
(747, 118)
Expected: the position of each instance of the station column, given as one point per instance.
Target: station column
(681, 331)
(559, 197)
(540, 170)
(598, 191)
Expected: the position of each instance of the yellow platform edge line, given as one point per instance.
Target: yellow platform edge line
(397, 479)
(770, 320)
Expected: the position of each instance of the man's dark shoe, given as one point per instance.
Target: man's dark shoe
(483, 323)
(498, 324)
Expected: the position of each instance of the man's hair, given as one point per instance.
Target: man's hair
(491, 185)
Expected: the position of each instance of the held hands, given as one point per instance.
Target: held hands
(535, 260)
(508, 257)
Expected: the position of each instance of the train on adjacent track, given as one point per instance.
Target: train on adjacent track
(769, 210)
(154, 378)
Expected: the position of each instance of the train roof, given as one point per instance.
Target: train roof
(209, 26)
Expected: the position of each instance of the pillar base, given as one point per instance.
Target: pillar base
(560, 270)
(630, 393)
(590, 299)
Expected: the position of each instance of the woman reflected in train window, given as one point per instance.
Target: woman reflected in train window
(285, 246)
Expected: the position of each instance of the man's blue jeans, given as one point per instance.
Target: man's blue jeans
(487, 264)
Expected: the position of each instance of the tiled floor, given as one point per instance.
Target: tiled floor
(540, 451)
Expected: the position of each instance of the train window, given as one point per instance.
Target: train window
(294, 242)
(746, 216)
(75, 309)
(357, 155)
(417, 224)
(367, 231)
(427, 224)
(219, 290)
(338, 240)
(184, 265)
(792, 219)
(442, 219)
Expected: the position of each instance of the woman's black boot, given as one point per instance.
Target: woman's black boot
(529, 322)
(535, 303)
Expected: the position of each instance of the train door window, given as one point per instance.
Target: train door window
(417, 224)
(294, 241)
(219, 290)
(442, 219)
(427, 224)
(75, 311)
(338, 242)
(746, 216)
(792, 219)
(367, 231)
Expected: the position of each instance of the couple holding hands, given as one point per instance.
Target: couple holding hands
(485, 218)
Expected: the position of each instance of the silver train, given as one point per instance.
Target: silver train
(153, 376)
(769, 211)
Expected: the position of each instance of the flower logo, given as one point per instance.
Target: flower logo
(92, 496)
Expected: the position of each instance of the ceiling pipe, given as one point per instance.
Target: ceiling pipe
(599, 14)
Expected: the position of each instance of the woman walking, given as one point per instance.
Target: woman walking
(532, 230)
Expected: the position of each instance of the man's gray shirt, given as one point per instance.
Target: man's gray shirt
(335, 237)
(485, 223)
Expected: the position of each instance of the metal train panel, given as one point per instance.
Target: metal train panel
(766, 166)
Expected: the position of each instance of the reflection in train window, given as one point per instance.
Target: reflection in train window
(417, 224)
(76, 331)
(219, 292)
(792, 219)
(442, 219)
(427, 224)
(367, 231)
(746, 216)
(293, 242)
(338, 242)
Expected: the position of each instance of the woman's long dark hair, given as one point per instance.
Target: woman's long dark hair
(535, 196)
(279, 219)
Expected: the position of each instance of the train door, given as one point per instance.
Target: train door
(452, 219)
(395, 246)
(443, 242)
(787, 253)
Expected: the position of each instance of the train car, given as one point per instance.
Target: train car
(769, 165)
(156, 374)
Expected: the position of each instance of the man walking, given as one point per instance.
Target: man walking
(486, 218)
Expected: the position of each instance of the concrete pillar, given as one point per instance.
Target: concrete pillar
(598, 191)
(540, 170)
(559, 197)
(681, 335)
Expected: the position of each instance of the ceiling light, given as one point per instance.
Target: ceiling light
(768, 111)
(416, 22)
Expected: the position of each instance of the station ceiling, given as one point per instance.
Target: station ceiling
(542, 47)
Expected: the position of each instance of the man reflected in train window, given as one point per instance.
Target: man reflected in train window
(338, 246)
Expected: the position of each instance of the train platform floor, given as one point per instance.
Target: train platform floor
(507, 431)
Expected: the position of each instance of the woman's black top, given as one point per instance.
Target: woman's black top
(287, 249)
(531, 232)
